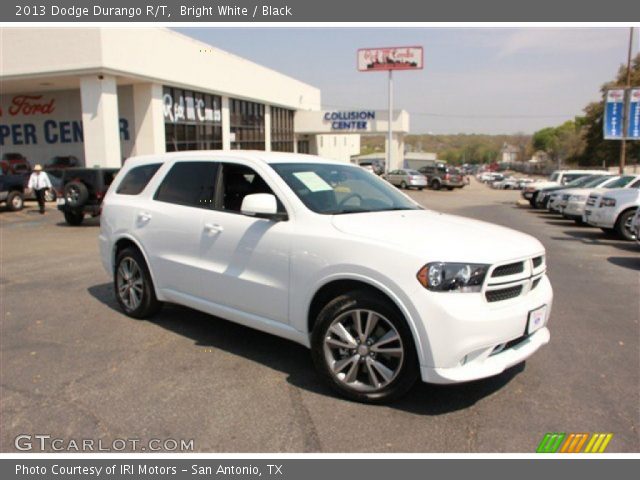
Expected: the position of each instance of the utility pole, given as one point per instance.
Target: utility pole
(390, 129)
(625, 108)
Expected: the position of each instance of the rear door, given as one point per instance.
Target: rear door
(170, 225)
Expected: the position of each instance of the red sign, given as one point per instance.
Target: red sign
(390, 58)
(30, 105)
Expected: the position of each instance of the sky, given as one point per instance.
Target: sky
(475, 80)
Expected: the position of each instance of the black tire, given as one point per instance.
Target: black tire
(624, 220)
(15, 201)
(406, 370)
(73, 218)
(533, 199)
(436, 185)
(403, 185)
(76, 194)
(420, 188)
(149, 304)
(449, 188)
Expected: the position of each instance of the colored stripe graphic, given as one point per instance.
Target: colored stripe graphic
(550, 443)
(598, 443)
(573, 442)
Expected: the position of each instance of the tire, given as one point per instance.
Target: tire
(50, 195)
(435, 184)
(403, 185)
(608, 231)
(76, 194)
(376, 377)
(450, 188)
(133, 286)
(15, 201)
(533, 199)
(73, 218)
(580, 222)
(623, 225)
(420, 188)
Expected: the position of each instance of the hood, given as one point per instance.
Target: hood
(576, 191)
(437, 236)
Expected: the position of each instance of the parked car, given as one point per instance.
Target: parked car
(577, 200)
(613, 211)
(14, 163)
(557, 178)
(544, 194)
(12, 191)
(325, 254)
(61, 162)
(82, 192)
(558, 199)
(406, 178)
(507, 183)
(441, 175)
(375, 166)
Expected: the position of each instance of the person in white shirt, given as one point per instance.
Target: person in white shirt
(39, 182)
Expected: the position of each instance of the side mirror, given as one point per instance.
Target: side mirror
(261, 205)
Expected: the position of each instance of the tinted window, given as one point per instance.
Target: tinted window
(189, 183)
(238, 181)
(136, 179)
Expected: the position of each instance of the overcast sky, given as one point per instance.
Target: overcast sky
(475, 80)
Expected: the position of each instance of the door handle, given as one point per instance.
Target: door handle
(144, 217)
(212, 228)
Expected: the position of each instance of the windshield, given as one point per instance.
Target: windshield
(337, 189)
(580, 182)
(619, 182)
(595, 181)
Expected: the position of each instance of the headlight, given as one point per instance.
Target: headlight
(452, 277)
(577, 198)
(608, 202)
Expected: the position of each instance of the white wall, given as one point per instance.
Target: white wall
(56, 130)
(336, 147)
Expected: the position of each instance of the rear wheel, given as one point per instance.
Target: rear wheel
(50, 195)
(15, 201)
(435, 184)
(73, 218)
(403, 185)
(76, 194)
(623, 225)
(133, 285)
(363, 348)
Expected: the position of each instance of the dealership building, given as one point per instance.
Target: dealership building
(104, 94)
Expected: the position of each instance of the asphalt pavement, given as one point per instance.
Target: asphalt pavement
(74, 367)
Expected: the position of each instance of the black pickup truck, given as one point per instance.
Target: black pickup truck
(12, 191)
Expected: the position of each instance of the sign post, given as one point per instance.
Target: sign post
(390, 59)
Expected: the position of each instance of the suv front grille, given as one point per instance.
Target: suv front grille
(503, 293)
(510, 269)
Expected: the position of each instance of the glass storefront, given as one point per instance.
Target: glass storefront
(282, 136)
(192, 120)
(247, 125)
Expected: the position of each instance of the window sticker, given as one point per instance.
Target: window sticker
(312, 181)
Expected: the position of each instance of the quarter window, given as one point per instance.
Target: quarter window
(137, 179)
(189, 183)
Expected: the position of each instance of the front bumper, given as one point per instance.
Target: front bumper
(574, 210)
(465, 333)
(599, 217)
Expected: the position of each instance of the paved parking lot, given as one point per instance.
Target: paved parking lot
(74, 367)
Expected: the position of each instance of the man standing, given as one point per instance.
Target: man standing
(39, 182)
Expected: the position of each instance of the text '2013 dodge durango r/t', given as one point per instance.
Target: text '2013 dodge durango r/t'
(323, 253)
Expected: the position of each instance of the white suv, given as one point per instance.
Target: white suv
(613, 210)
(327, 255)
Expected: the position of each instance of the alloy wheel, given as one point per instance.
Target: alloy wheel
(363, 350)
(130, 283)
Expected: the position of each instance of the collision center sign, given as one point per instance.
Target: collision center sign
(390, 58)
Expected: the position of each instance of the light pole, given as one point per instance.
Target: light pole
(625, 108)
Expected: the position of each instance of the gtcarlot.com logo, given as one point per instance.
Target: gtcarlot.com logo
(574, 443)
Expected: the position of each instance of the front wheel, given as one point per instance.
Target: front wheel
(50, 195)
(73, 218)
(133, 285)
(15, 201)
(363, 348)
(403, 185)
(623, 225)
